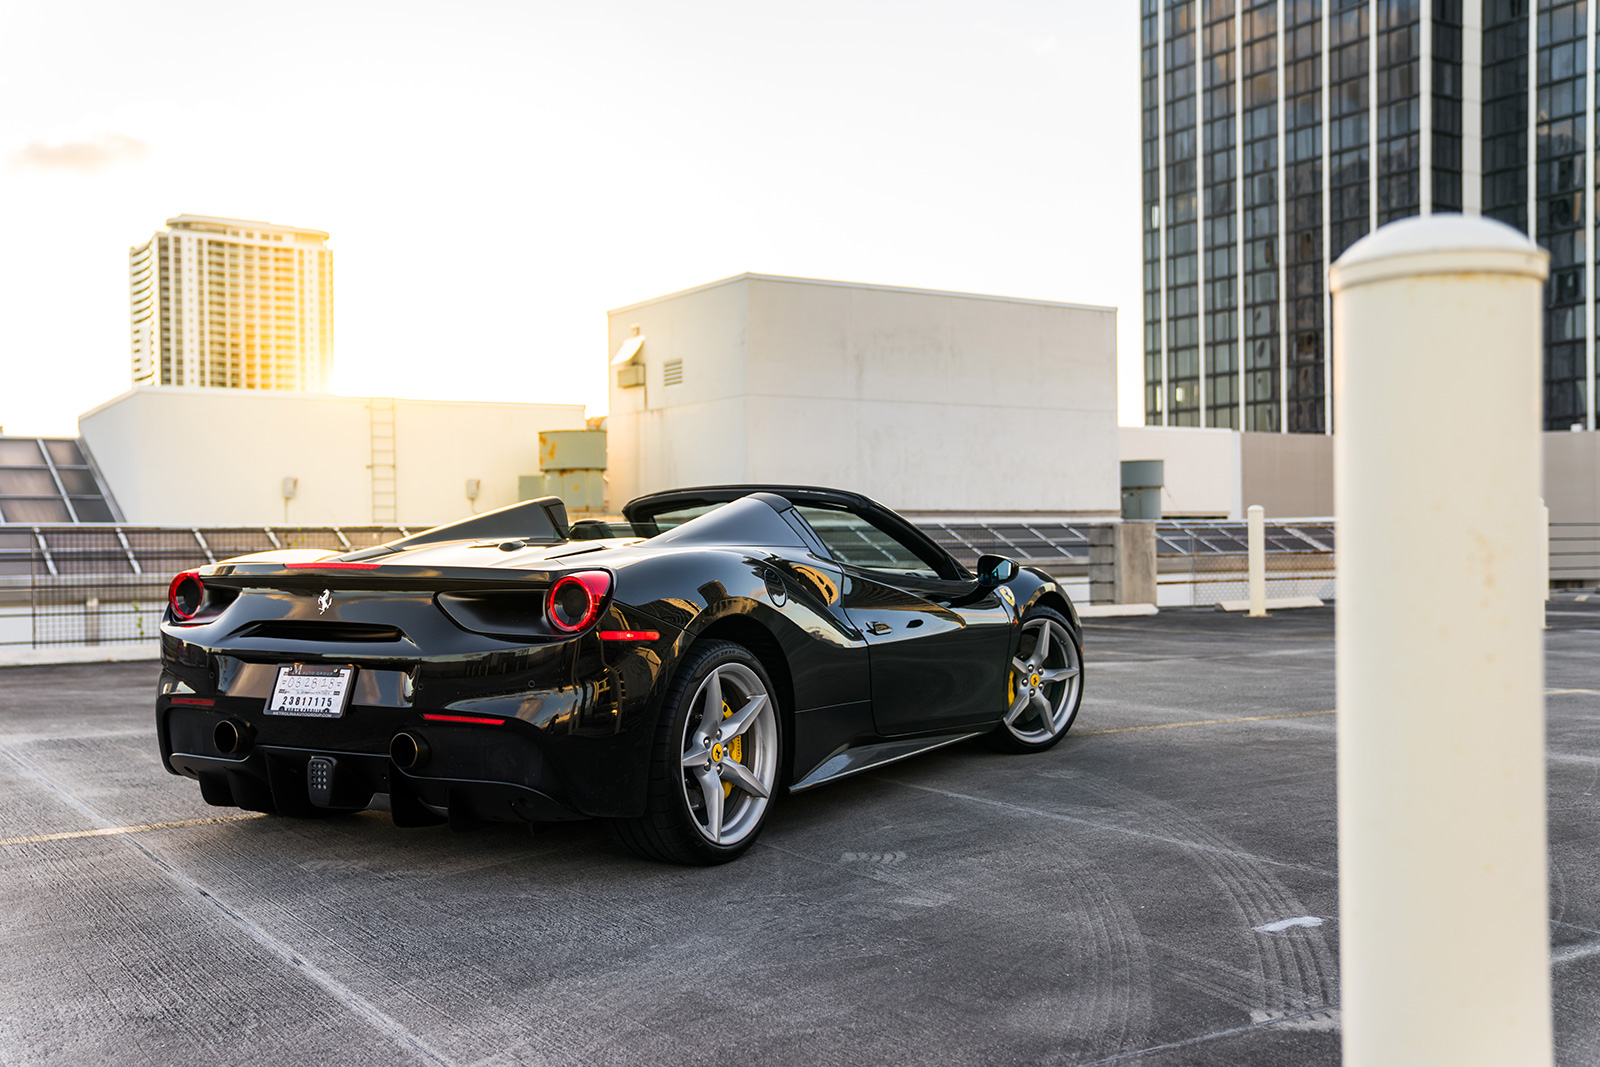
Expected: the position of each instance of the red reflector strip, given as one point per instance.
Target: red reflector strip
(629, 635)
(331, 565)
(199, 702)
(464, 718)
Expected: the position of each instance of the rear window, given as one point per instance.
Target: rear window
(666, 520)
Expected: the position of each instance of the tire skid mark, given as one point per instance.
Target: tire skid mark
(1109, 827)
(1107, 978)
(1188, 1042)
(1296, 972)
(341, 993)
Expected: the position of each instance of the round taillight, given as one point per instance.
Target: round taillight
(574, 601)
(185, 594)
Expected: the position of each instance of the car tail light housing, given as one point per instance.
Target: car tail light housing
(574, 601)
(186, 593)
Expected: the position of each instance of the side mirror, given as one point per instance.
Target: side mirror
(995, 570)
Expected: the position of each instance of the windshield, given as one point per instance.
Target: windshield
(666, 520)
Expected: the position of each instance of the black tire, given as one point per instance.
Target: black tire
(677, 824)
(1028, 730)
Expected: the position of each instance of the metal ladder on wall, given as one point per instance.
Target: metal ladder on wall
(384, 502)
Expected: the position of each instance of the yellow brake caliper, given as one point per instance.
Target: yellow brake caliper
(735, 749)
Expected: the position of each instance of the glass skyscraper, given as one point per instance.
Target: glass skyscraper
(1277, 133)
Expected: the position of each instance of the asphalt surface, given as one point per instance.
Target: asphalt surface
(1120, 899)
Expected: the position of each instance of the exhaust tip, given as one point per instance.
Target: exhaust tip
(408, 750)
(232, 737)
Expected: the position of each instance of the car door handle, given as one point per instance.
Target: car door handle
(878, 627)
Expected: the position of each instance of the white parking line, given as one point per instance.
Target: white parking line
(1575, 952)
(1201, 722)
(346, 996)
(112, 831)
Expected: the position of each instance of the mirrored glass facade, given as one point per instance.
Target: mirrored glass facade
(1277, 133)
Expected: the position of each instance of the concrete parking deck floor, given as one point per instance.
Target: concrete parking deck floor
(1160, 889)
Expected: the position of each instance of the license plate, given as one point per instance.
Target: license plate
(311, 689)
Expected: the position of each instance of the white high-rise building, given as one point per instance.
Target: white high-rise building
(231, 303)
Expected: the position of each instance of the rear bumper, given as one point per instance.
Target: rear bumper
(568, 734)
(274, 778)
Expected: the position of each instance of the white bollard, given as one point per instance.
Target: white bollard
(1256, 541)
(1444, 936)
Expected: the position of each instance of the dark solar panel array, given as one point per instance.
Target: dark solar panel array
(1057, 542)
(50, 479)
(128, 551)
(1040, 542)
(122, 550)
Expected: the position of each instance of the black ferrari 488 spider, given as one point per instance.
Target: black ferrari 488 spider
(673, 675)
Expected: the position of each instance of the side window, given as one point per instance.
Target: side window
(856, 541)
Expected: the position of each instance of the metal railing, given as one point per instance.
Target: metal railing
(106, 584)
(1574, 553)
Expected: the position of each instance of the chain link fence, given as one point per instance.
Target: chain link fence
(1206, 563)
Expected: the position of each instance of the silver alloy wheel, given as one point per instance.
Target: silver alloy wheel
(1047, 676)
(733, 742)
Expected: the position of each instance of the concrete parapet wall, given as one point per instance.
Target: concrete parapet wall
(215, 457)
(1122, 563)
(927, 401)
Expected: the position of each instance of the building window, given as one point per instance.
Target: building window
(1505, 111)
(1150, 140)
(1183, 253)
(1347, 125)
(1560, 219)
(1302, 149)
(1259, 138)
(1399, 144)
(1220, 177)
(1447, 82)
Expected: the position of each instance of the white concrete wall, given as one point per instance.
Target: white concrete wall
(661, 436)
(1202, 471)
(1572, 476)
(927, 401)
(218, 457)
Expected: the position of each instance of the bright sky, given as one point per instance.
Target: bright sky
(495, 176)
